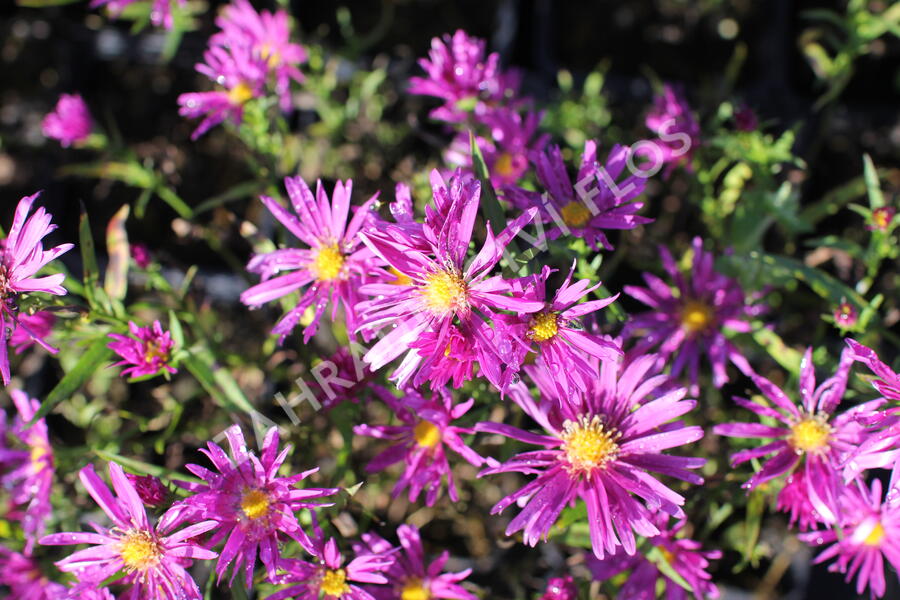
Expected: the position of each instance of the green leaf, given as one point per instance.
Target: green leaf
(174, 201)
(873, 187)
(142, 467)
(771, 342)
(656, 556)
(175, 328)
(88, 257)
(216, 380)
(96, 354)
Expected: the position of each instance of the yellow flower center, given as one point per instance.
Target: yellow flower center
(810, 435)
(543, 326)
(139, 551)
(334, 583)
(445, 292)
(882, 217)
(696, 316)
(575, 214)
(38, 453)
(399, 278)
(588, 445)
(414, 590)
(240, 93)
(255, 504)
(504, 164)
(268, 54)
(327, 263)
(427, 434)
(153, 350)
(875, 536)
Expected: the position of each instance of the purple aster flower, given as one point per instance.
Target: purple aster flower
(443, 291)
(867, 534)
(30, 329)
(561, 588)
(812, 437)
(331, 268)
(595, 203)
(24, 579)
(688, 322)
(70, 122)
(452, 359)
(329, 578)
(252, 507)
(268, 35)
(141, 255)
(160, 10)
(679, 132)
(152, 558)
(887, 382)
(147, 350)
(555, 334)
(601, 449)
(150, 489)
(409, 577)
(22, 254)
(28, 472)
(459, 74)
(420, 443)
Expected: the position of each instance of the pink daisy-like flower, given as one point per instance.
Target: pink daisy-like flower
(595, 203)
(22, 255)
(561, 588)
(160, 11)
(23, 577)
(688, 322)
(147, 350)
(867, 534)
(459, 74)
(329, 578)
(887, 382)
(442, 290)
(601, 449)
(683, 555)
(555, 335)
(268, 35)
(31, 328)
(673, 121)
(450, 360)
(332, 267)
(409, 577)
(152, 558)
(28, 472)
(420, 443)
(252, 507)
(812, 438)
(69, 122)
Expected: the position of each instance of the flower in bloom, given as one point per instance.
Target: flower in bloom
(812, 438)
(689, 322)
(28, 475)
(420, 442)
(458, 73)
(70, 122)
(329, 578)
(845, 315)
(679, 132)
(561, 588)
(151, 558)
(332, 266)
(150, 489)
(23, 577)
(31, 328)
(147, 350)
(868, 533)
(555, 334)
(141, 255)
(250, 505)
(887, 382)
(595, 203)
(440, 290)
(160, 10)
(882, 218)
(409, 577)
(268, 36)
(22, 254)
(601, 449)
(683, 555)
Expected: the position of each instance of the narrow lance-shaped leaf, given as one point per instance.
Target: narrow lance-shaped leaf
(116, 281)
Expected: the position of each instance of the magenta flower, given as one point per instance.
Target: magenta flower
(684, 556)
(149, 489)
(23, 577)
(561, 588)
(443, 359)
(331, 269)
(688, 322)
(882, 218)
(555, 334)
(459, 74)
(69, 122)
(443, 291)
(601, 449)
(152, 557)
(845, 315)
(22, 255)
(141, 255)
(268, 35)
(252, 507)
(31, 328)
(409, 576)
(148, 350)
(160, 11)
(812, 437)
(594, 204)
(679, 133)
(867, 534)
(420, 443)
(887, 382)
(28, 472)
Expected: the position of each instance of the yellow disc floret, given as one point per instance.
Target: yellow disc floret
(240, 93)
(139, 551)
(504, 164)
(588, 445)
(445, 292)
(414, 590)
(875, 536)
(334, 583)
(544, 326)
(575, 214)
(327, 263)
(427, 434)
(696, 316)
(399, 278)
(810, 435)
(255, 504)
